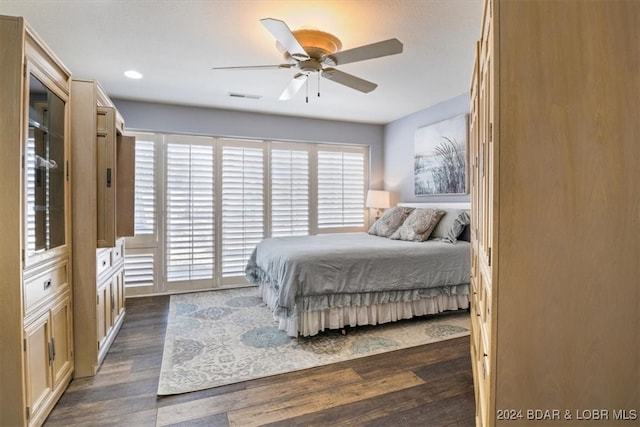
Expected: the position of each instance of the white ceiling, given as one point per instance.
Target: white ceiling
(174, 44)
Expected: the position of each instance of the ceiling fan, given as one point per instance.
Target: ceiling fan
(317, 52)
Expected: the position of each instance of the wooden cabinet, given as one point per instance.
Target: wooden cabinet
(36, 355)
(103, 214)
(110, 297)
(555, 162)
(48, 356)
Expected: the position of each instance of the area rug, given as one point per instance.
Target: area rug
(221, 337)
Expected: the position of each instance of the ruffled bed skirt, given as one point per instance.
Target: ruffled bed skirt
(311, 322)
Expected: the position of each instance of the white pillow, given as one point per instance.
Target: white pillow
(451, 225)
(418, 225)
(389, 222)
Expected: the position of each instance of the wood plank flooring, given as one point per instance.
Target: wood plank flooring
(429, 385)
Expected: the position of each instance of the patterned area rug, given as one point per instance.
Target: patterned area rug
(226, 336)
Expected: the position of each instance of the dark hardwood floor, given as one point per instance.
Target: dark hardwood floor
(429, 385)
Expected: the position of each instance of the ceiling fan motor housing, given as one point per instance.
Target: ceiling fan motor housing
(310, 65)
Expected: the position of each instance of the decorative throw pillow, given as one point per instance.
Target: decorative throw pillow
(418, 225)
(390, 221)
(451, 225)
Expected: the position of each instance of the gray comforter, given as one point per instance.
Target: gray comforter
(333, 270)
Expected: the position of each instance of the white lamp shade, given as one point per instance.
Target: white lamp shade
(377, 199)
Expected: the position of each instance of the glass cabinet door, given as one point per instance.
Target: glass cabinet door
(45, 170)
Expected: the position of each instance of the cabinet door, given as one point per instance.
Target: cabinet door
(106, 170)
(61, 339)
(38, 360)
(125, 217)
(118, 294)
(103, 312)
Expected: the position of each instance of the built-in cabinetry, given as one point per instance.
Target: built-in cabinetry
(103, 184)
(36, 319)
(555, 165)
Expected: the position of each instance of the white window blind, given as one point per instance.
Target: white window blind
(242, 204)
(145, 196)
(138, 269)
(190, 243)
(341, 179)
(143, 261)
(289, 192)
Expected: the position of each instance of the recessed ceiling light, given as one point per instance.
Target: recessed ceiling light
(133, 74)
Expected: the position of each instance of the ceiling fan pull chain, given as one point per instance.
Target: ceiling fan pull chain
(318, 85)
(306, 83)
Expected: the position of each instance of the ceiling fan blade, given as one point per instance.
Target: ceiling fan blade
(370, 51)
(255, 67)
(285, 37)
(293, 87)
(348, 80)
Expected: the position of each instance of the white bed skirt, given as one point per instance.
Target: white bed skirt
(311, 322)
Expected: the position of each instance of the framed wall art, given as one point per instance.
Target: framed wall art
(440, 157)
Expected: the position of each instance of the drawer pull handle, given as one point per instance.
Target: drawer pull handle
(47, 284)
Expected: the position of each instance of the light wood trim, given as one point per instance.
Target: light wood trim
(85, 231)
(37, 51)
(12, 395)
(105, 101)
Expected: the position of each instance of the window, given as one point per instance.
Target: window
(190, 244)
(142, 254)
(203, 203)
(145, 198)
(242, 204)
(289, 191)
(341, 188)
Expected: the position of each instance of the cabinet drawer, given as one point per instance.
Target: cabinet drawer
(117, 252)
(44, 285)
(103, 261)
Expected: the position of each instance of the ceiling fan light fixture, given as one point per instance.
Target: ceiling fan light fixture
(318, 44)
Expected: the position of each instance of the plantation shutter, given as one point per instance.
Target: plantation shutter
(190, 222)
(243, 202)
(145, 200)
(138, 269)
(341, 179)
(289, 192)
(141, 256)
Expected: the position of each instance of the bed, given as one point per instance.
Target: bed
(330, 281)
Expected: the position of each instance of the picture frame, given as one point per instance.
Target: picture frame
(440, 157)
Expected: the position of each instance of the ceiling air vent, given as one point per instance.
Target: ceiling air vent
(243, 95)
